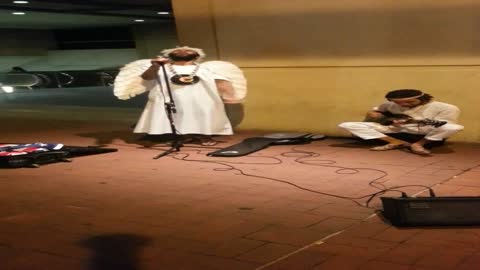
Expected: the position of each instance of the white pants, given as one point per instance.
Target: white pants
(371, 130)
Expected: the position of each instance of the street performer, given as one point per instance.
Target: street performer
(199, 92)
(409, 111)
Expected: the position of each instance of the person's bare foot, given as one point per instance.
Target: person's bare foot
(389, 146)
(419, 150)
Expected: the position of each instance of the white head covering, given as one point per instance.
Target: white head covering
(200, 52)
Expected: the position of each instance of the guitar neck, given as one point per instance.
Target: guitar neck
(389, 118)
(428, 122)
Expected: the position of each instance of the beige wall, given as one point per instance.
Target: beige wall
(313, 64)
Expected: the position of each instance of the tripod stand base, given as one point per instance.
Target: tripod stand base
(169, 151)
(174, 148)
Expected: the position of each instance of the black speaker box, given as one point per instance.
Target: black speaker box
(432, 211)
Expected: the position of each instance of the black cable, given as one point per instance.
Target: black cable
(341, 169)
(229, 167)
(304, 154)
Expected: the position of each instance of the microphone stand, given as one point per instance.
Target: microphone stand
(170, 109)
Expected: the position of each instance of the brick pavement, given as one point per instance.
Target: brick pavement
(124, 210)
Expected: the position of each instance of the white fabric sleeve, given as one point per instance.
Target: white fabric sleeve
(220, 77)
(448, 113)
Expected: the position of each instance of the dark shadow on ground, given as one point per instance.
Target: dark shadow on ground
(107, 137)
(116, 251)
(235, 114)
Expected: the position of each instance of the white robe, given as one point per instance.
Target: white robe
(200, 109)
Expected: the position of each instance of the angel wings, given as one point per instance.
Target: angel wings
(128, 82)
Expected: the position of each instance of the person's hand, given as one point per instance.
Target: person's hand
(151, 72)
(399, 122)
(159, 61)
(375, 115)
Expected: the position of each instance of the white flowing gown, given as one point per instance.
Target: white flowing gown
(200, 109)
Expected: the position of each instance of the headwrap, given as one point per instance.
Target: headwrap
(404, 93)
(200, 52)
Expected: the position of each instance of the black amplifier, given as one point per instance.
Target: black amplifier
(432, 211)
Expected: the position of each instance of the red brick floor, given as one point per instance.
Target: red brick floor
(268, 210)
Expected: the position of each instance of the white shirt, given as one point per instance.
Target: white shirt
(433, 110)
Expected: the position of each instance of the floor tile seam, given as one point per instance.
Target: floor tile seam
(320, 242)
(236, 256)
(315, 243)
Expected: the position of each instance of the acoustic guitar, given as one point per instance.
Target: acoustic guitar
(388, 119)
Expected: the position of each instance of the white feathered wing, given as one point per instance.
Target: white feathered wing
(234, 74)
(128, 82)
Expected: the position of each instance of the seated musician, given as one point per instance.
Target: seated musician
(407, 111)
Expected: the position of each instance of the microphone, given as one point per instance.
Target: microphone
(160, 61)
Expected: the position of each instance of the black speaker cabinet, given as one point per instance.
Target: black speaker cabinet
(432, 211)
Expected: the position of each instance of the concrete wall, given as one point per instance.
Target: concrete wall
(19, 42)
(151, 39)
(55, 60)
(19, 46)
(36, 50)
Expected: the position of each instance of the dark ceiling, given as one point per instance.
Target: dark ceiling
(58, 14)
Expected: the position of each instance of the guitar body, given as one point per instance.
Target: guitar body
(389, 118)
